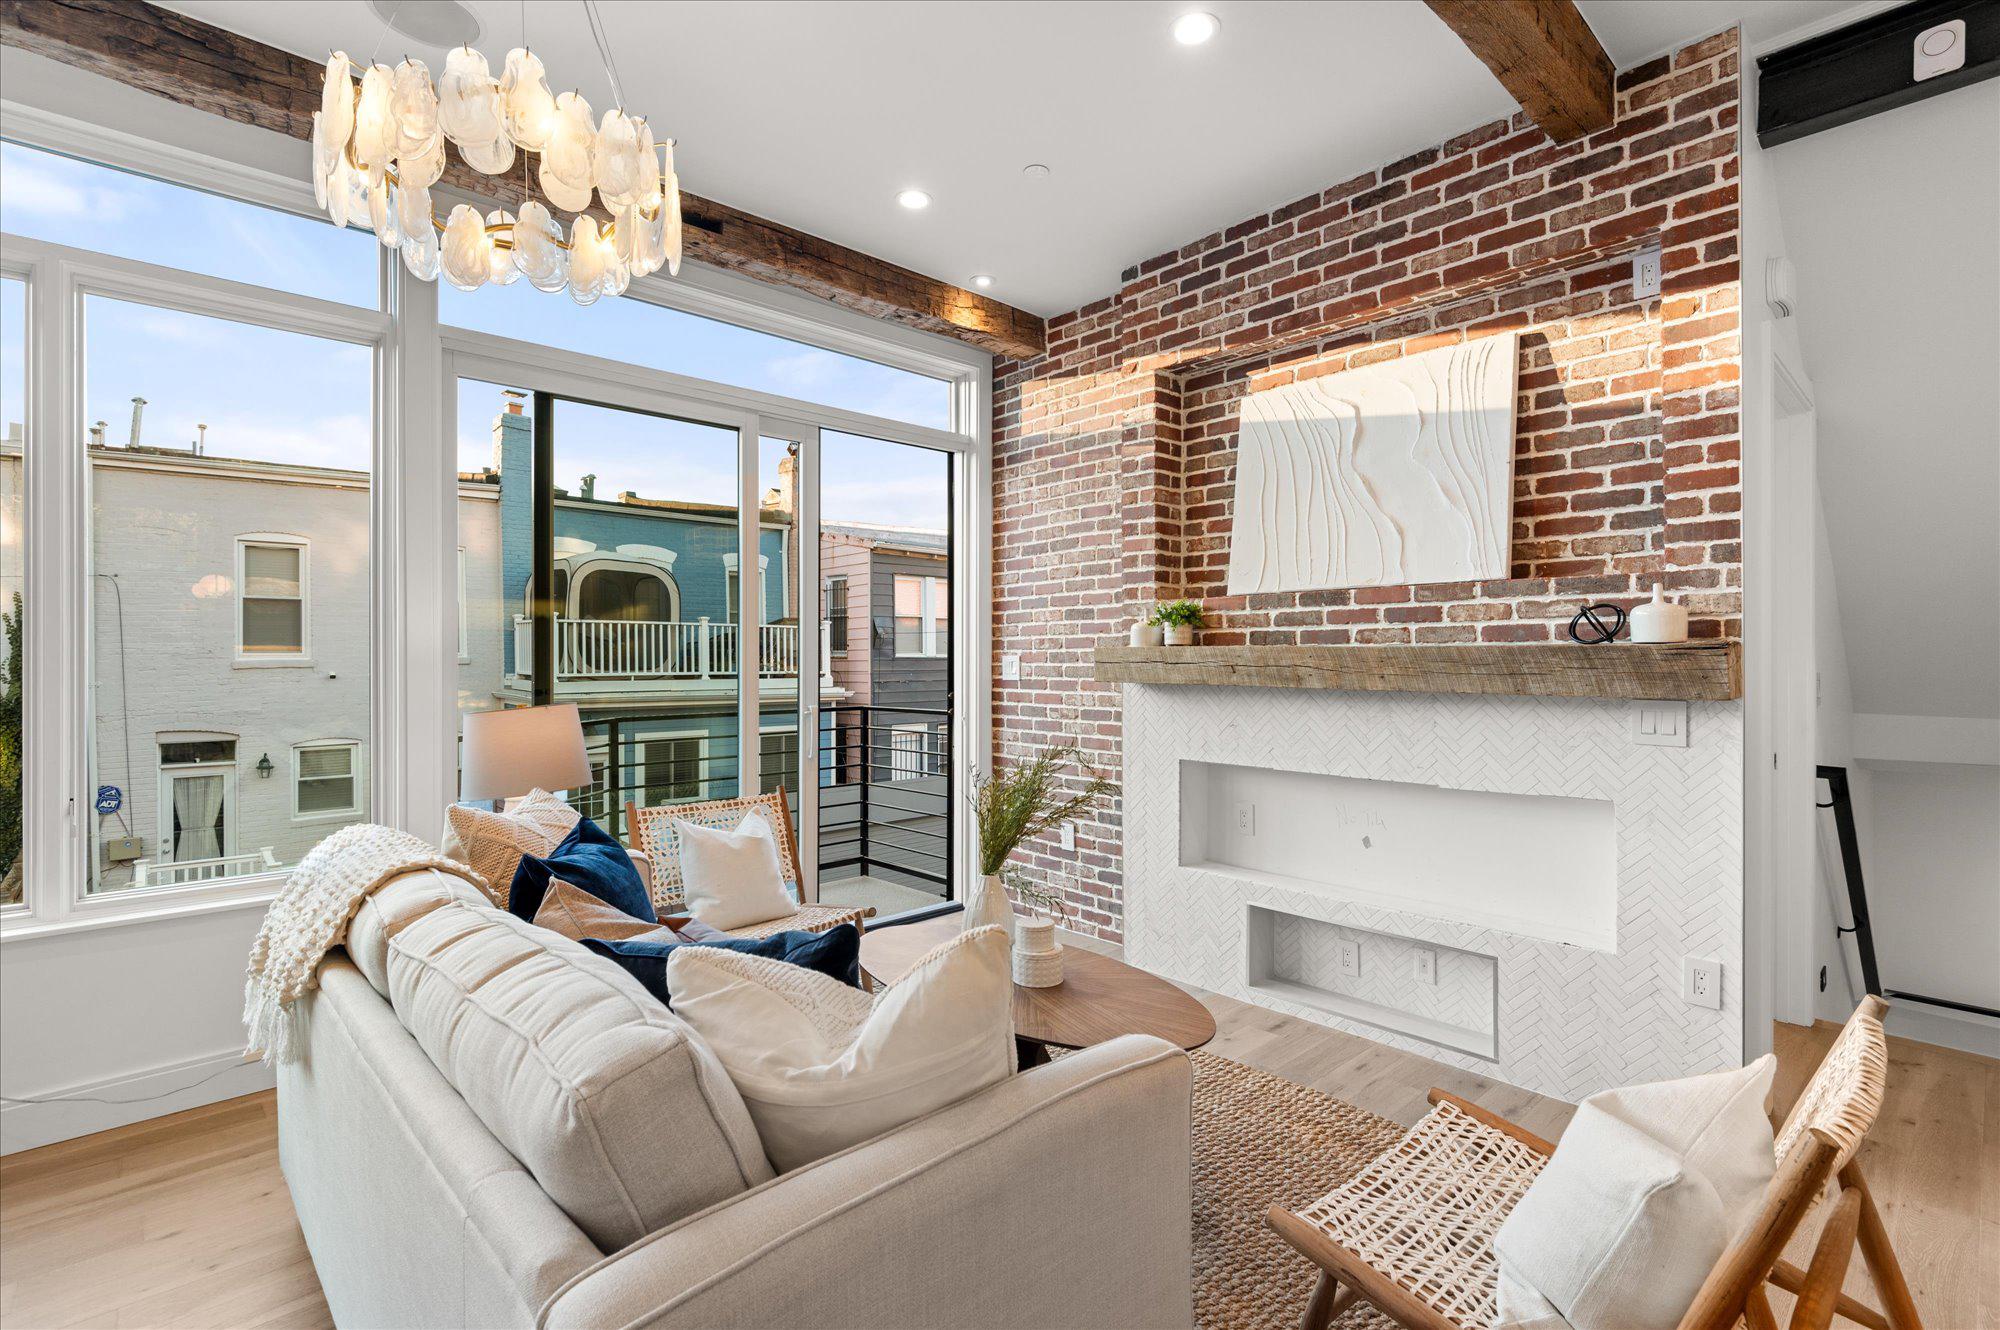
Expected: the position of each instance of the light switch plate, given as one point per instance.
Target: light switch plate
(1010, 667)
(1068, 836)
(1660, 724)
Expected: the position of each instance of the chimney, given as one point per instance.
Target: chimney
(514, 404)
(201, 441)
(588, 486)
(97, 434)
(788, 503)
(138, 409)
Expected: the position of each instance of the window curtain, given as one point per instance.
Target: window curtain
(197, 818)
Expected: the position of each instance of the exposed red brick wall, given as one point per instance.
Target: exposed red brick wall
(1114, 453)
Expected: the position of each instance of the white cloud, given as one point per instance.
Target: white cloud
(50, 187)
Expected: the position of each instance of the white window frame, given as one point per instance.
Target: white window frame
(271, 540)
(464, 617)
(700, 740)
(414, 617)
(933, 593)
(355, 806)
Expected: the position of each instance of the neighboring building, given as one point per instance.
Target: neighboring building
(231, 660)
(886, 593)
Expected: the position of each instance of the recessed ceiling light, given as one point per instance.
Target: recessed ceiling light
(914, 199)
(1196, 28)
(1035, 171)
(443, 23)
(982, 281)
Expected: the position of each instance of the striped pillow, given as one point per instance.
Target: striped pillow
(493, 843)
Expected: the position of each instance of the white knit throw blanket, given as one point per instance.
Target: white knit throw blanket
(310, 917)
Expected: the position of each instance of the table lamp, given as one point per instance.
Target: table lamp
(508, 753)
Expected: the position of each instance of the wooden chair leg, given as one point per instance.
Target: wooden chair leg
(1883, 1267)
(1328, 1300)
(1757, 1311)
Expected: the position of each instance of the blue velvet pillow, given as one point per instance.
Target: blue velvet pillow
(589, 860)
(835, 953)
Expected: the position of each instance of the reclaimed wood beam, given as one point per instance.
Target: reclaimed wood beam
(1693, 671)
(223, 73)
(1544, 54)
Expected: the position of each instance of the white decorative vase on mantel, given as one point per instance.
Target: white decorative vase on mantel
(988, 904)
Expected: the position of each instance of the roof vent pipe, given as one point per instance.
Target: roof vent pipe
(138, 409)
(97, 434)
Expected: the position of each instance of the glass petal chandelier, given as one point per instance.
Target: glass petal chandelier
(379, 142)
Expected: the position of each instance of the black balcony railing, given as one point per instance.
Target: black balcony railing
(883, 776)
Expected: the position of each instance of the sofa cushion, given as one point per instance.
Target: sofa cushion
(577, 914)
(611, 1101)
(588, 858)
(493, 843)
(835, 953)
(392, 907)
(824, 1066)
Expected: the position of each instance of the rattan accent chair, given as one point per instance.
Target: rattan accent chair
(653, 829)
(1412, 1233)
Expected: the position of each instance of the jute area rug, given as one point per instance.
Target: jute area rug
(1261, 1140)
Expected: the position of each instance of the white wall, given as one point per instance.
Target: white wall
(1893, 223)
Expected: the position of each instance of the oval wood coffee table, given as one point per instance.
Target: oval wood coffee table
(1098, 999)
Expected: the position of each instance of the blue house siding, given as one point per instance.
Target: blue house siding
(700, 571)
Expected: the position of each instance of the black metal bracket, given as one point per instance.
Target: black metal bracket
(1865, 68)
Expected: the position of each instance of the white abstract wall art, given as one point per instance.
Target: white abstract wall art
(1391, 473)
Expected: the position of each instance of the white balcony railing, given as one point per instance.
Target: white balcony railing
(611, 649)
(147, 873)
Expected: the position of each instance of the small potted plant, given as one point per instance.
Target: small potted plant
(1180, 618)
(1017, 803)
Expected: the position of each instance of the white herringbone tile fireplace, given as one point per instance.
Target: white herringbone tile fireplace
(1577, 990)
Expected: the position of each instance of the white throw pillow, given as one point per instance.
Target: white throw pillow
(823, 1066)
(731, 878)
(1644, 1192)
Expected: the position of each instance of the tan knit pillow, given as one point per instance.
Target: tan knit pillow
(493, 843)
(577, 914)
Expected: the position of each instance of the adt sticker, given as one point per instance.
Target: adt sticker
(110, 798)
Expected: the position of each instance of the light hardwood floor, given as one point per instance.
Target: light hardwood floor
(185, 1221)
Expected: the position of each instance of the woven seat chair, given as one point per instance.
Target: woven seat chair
(653, 829)
(1412, 1233)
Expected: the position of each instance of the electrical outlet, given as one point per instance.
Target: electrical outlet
(1426, 966)
(1246, 818)
(1010, 667)
(1067, 836)
(1701, 983)
(1645, 274)
(1347, 956)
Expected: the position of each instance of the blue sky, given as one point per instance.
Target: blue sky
(283, 397)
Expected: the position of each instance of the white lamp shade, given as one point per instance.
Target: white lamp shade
(508, 753)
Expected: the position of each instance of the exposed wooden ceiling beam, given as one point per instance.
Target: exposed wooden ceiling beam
(1544, 54)
(214, 70)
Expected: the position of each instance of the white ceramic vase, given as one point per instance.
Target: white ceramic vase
(1180, 634)
(988, 904)
(1147, 635)
(1659, 619)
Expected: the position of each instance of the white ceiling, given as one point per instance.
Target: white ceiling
(1899, 323)
(817, 114)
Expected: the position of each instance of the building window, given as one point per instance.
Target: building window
(271, 617)
(836, 615)
(922, 616)
(672, 770)
(326, 780)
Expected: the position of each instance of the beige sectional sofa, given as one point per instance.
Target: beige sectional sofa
(490, 1126)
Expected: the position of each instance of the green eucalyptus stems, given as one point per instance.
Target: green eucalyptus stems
(1022, 801)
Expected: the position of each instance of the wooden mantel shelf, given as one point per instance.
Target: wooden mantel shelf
(1694, 671)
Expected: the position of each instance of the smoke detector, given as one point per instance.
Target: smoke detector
(1938, 50)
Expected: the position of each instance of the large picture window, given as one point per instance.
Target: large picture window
(646, 498)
